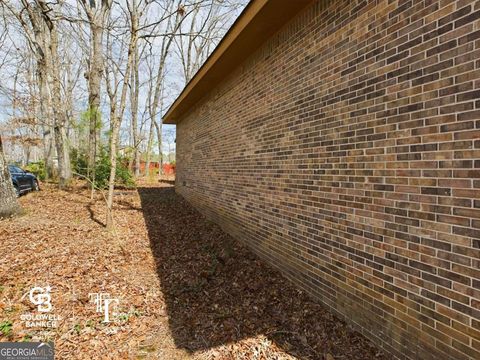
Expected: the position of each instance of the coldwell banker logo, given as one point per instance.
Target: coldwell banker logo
(26, 351)
(42, 298)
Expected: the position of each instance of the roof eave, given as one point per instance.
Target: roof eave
(257, 23)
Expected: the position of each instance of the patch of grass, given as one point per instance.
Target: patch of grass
(124, 317)
(91, 324)
(6, 327)
(145, 350)
(26, 338)
(135, 312)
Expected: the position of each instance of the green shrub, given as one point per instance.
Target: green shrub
(123, 175)
(102, 172)
(79, 162)
(37, 168)
(102, 169)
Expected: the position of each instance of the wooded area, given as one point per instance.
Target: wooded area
(85, 83)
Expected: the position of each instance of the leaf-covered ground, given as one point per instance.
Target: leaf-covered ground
(186, 289)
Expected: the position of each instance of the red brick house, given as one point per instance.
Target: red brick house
(341, 141)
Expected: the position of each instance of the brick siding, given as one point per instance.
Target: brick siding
(346, 153)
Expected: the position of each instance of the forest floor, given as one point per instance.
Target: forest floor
(185, 289)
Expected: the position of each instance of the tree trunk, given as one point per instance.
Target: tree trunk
(8, 199)
(113, 170)
(135, 86)
(59, 111)
(46, 116)
(48, 152)
(158, 126)
(137, 162)
(148, 154)
(94, 83)
(117, 120)
(64, 169)
(158, 92)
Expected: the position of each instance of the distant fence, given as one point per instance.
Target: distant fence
(169, 169)
(154, 166)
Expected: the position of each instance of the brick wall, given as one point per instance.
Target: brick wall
(345, 152)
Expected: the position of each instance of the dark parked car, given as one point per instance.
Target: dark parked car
(23, 181)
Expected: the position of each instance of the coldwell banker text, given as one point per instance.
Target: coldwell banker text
(40, 320)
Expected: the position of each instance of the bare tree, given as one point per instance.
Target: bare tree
(157, 84)
(8, 199)
(207, 23)
(116, 113)
(97, 12)
(20, 23)
(135, 88)
(195, 29)
(22, 128)
(40, 29)
(60, 115)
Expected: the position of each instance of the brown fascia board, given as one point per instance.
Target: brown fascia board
(258, 22)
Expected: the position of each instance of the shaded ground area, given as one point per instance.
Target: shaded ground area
(186, 289)
(217, 292)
